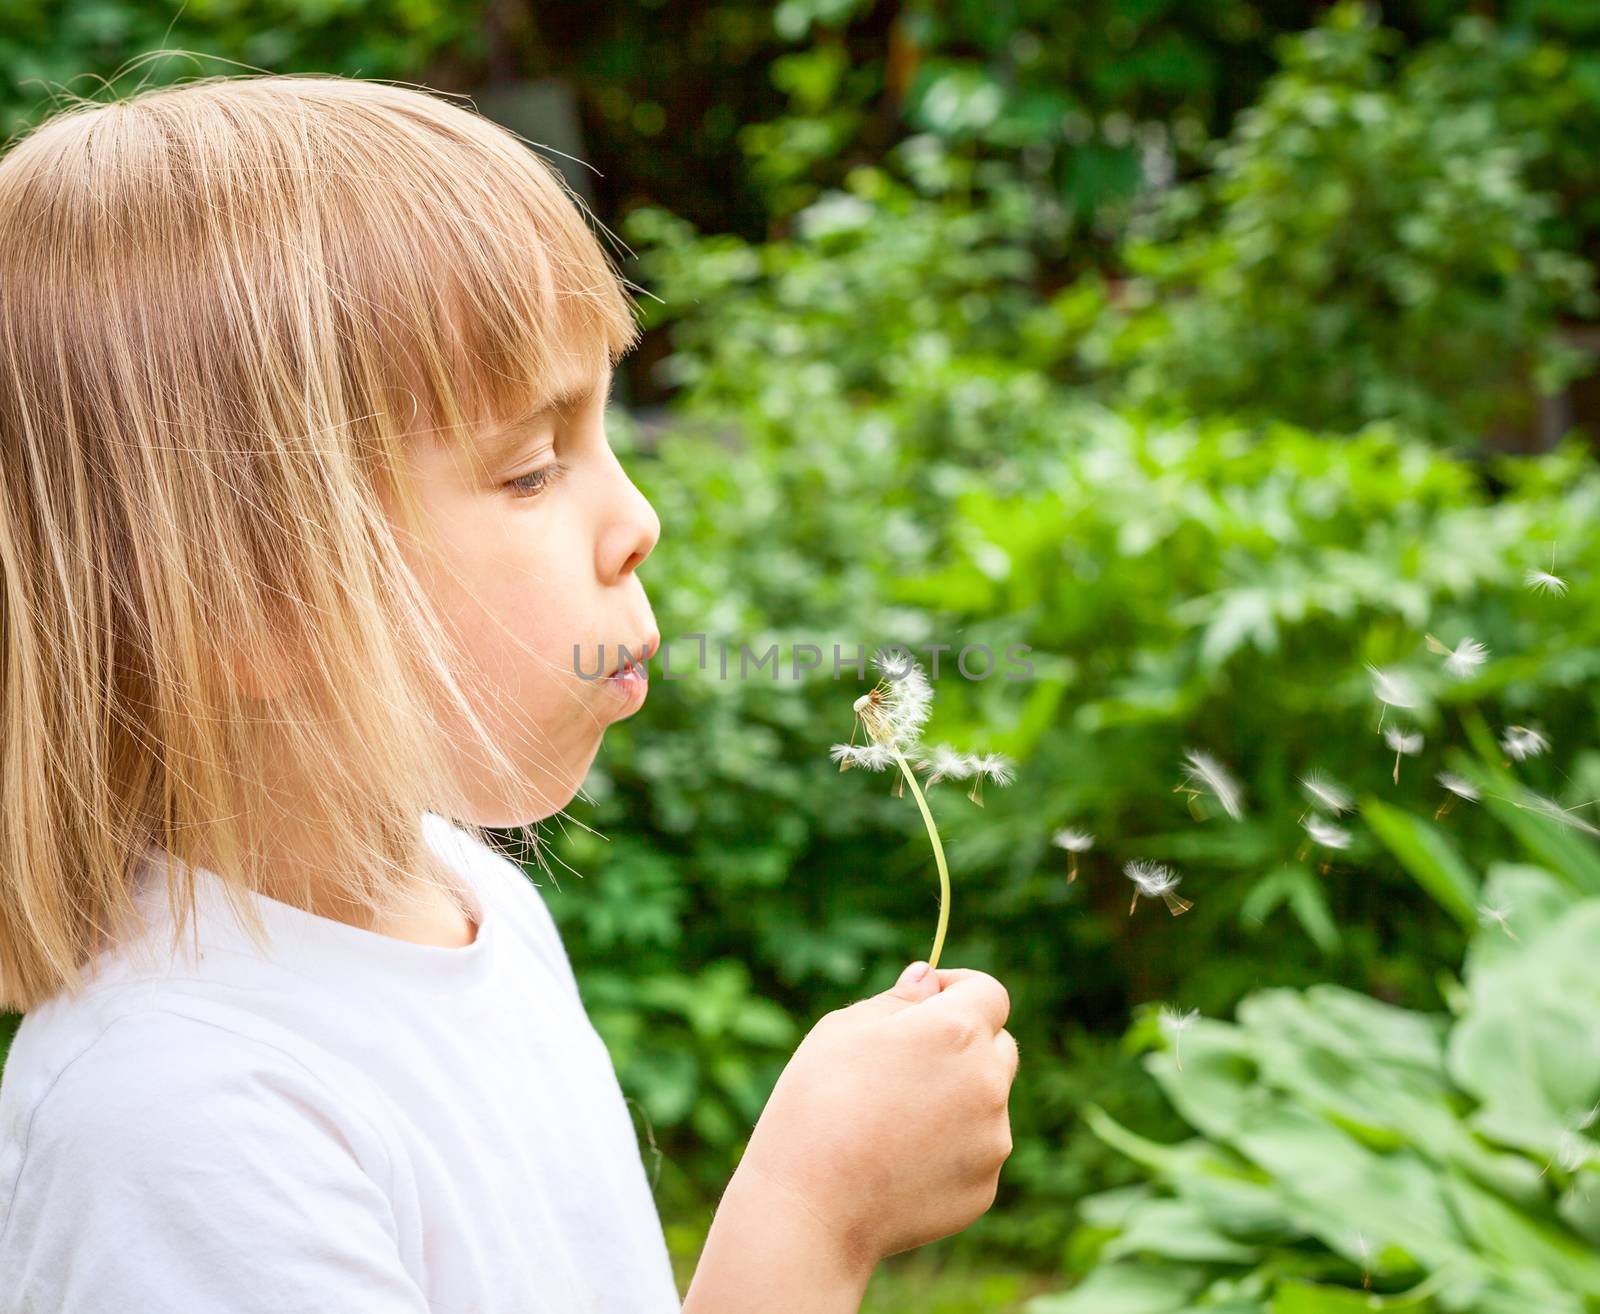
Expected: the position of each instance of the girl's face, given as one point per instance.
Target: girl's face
(540, 538)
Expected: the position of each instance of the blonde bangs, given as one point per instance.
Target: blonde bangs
(227, 311)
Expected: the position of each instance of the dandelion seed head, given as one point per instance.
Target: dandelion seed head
(896, 708)
(1394, 688)
(1521, 742)
(1073, 841)
(1327, 791)
(1542, 581)
(1209, 776)
(1326, 833)
(1403, 741)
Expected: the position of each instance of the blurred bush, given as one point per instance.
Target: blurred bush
(46, 45)
(876, 438)
(1371, 242)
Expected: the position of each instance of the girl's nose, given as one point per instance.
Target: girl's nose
(632, 533)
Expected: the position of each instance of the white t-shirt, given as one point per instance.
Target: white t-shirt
(355, 1125)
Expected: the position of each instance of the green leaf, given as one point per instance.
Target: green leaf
(1307, 1298)
(1125, 1289)
(1428, 856)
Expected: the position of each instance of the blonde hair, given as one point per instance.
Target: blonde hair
(227, 309)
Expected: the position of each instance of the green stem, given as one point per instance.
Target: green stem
(938, 857)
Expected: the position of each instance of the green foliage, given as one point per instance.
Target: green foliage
(1344, 1145)
(50, 45)
(872, 443)
(1370, 243)
(1088, 101)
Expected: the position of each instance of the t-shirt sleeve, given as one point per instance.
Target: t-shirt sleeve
(175, 1166)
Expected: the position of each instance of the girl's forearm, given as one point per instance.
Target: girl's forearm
(767, 1253)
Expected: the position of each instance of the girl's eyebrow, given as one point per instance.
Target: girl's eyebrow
(504, 441)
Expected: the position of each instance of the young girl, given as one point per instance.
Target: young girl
(311, 549)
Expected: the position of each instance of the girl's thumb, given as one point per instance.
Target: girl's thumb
(917, 982)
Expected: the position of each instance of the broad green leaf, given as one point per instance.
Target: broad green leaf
(1429, 857)
(1125, 1289)
(1306, 1298)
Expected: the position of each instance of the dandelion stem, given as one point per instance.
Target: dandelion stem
(938, 857)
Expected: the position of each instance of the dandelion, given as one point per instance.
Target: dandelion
(1403, 742)
(1458, 787)
(1203, 774)
(1497, 915)
(1325, 833)
(1327, 791)
(1155, 881)
(1522, 742)
(1174, 1024)
(1546, 581)
(1463, 659)
(894, 712)
(895, 709)
(1074, 842)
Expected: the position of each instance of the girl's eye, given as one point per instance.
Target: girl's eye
(537, 481)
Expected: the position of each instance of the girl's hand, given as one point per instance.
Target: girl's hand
(891, 1121)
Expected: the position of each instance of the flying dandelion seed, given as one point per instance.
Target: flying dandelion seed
(1203, 774)
(990, 766)
(1546, 581)
(1324, 789)
(1325, 833)
(1458, 787)
(1542, 581)
(1074, 842)
(1403, 742)
(1548, 807)
(1155, 881)
(1521, 742)
(1364, 1249)
(945, 763)
(1174, 1024)
(894, 711)
(1394, 688)
(1498, 915)
(1463, 659)
(1573, 1148)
